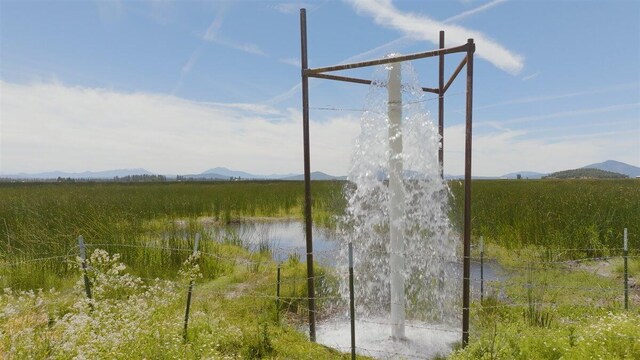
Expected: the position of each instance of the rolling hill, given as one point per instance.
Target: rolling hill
(585, 173)
(617, 167)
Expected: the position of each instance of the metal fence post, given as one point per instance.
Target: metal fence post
(83, 257)
(352, 311)
(481, 268)
(186, 312)
(626, 271)
(278, 295)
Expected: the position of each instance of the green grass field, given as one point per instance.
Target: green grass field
(556, 214)
(44, 220)
(523, 222)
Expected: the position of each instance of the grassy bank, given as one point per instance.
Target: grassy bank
(232, 316)
(547, 309)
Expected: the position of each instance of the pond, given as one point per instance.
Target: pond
(282, 237)
(287, 237)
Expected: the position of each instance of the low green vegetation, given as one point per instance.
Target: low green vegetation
(600, 336)
(40, 220)
(133, 318)
(550, 306)
(555, 214)
(546, 309)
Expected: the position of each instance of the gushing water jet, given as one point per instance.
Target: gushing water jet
(396, 202)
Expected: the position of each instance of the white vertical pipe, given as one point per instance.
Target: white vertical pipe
(396, 202)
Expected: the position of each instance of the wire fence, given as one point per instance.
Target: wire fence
(489, 278)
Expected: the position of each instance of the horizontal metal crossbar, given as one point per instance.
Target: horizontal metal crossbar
(422, 55)
(359, 81)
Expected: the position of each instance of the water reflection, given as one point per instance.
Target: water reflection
(284, 238)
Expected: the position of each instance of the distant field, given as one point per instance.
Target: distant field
(36, 216)
(39, 220)
(44, 219)
(553, 213)
(557, 309)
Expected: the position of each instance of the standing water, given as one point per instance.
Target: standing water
(407, 277)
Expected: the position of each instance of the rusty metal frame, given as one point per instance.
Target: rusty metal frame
(468, 48)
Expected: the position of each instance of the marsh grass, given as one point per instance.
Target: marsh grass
(44, 220)
(554, 214)
(152, 227)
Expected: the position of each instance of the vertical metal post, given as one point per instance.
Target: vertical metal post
(307, 175)
(441, 105)
(481, 268)
(626, 271)
(467, 197)
(83, 257)
(352, 310)
(278, 295)
(186, 312)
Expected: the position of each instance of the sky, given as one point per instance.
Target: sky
(181, 87)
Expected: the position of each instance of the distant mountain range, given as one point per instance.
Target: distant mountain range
(218, 173)
(315, 175)
(222, 173)
(609, 166)
(108, 174)
(616, 167)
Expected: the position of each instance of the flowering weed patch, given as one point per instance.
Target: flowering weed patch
(134, 318)
(608, 336)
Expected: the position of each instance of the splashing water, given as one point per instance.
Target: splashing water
(398, 189)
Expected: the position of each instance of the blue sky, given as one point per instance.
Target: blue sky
(180, 87)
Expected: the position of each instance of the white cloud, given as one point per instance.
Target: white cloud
(394, 45)
(388, 47)
(422, 27)
(216, 24)
(56, 127)
(294, 7)
(473, 11)
(211, 35)
(391, 46)
(249, 48)
(500, 152)
(531, 76)
(161, 11)
(294, 90)
(540, 98)
(291, 61)
(191, 61)
(110, 11)
(563, 114)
